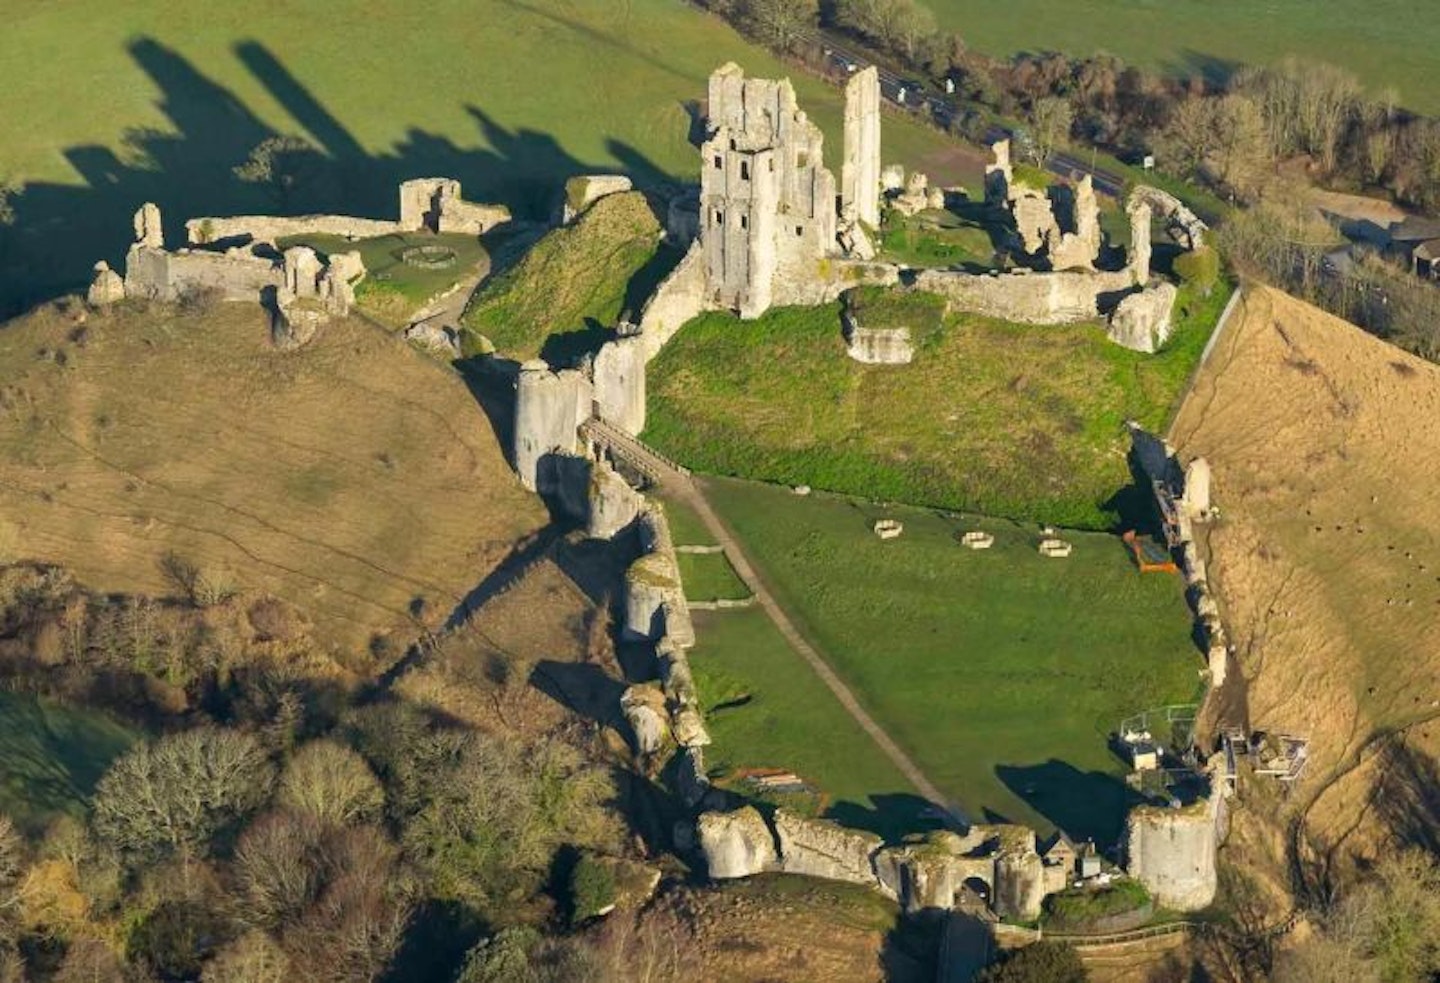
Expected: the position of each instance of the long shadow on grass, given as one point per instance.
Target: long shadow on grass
(188, 169)
(891, 815)
(1087, 805)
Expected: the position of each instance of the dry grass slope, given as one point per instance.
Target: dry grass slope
(1324, 443)
(355, 478)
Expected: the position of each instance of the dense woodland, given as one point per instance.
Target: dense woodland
(277, 819)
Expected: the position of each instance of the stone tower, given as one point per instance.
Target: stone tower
(860, 170)
(767, 202)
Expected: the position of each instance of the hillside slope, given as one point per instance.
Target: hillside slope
(1324, 443)
(354, 478)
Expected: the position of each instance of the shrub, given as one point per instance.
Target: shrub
(1043, 962)
(1031, 177)
(1199, 269)
(592, 888)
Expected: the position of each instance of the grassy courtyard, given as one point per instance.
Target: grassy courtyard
(1001, 672)
(765, 708)
(1003, 419)
(393, 289)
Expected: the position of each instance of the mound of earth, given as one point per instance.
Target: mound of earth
(155, 451)
(1323, 442)
(571, 286)
(783, 927)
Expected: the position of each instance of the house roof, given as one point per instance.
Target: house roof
(1415, 228)
(1428, 250)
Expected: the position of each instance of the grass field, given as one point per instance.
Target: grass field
(774, 712)
(51, 757)
(709, 577)
(1002, 673)
(1003, 419)
(155, 101)
(1384, 42)
(355, 478)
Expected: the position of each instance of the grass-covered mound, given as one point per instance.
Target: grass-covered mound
(1010, 420)
(574, 281)
(1000, 672)
(354, 478)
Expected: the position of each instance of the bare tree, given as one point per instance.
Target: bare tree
(332, 783)
(278, 867)
(252, 958)
(176, 793)
(780, 23)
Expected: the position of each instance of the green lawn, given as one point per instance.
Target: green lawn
(1023, 422)
(790, 721)
(51, 757)
(567, 292)
(709, 577)
(393, 289)
(1384, 42)
(939, 239)
(115, 104)
(1001, 672)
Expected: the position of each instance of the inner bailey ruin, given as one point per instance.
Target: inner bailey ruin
(300, 289)
(426, 205)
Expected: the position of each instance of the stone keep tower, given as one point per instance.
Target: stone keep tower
(767, 202)
(860, 170)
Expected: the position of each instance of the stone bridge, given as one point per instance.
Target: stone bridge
(623, 447)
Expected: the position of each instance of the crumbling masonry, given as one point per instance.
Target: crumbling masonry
(767, 201)
(860, 171)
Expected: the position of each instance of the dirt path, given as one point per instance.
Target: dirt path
(691, 494)
(682, 487)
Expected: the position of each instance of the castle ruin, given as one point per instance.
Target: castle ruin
(860, 171)
(767, 201)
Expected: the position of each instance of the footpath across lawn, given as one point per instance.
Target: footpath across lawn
(1002, 673)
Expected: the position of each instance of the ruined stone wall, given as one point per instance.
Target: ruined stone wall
(1029, 298)
(619, 378)
(1172, 852)
(860, 170)
(680, 298)
(827, 278)
(655, 607)
(269, 228)
(471, 218)
(1141, 218)
(156, 274)
(549, 408)
(1187, 227)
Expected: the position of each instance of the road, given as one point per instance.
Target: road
(903, 93)
(683, 488)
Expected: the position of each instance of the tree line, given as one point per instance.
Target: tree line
(1223, 133)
